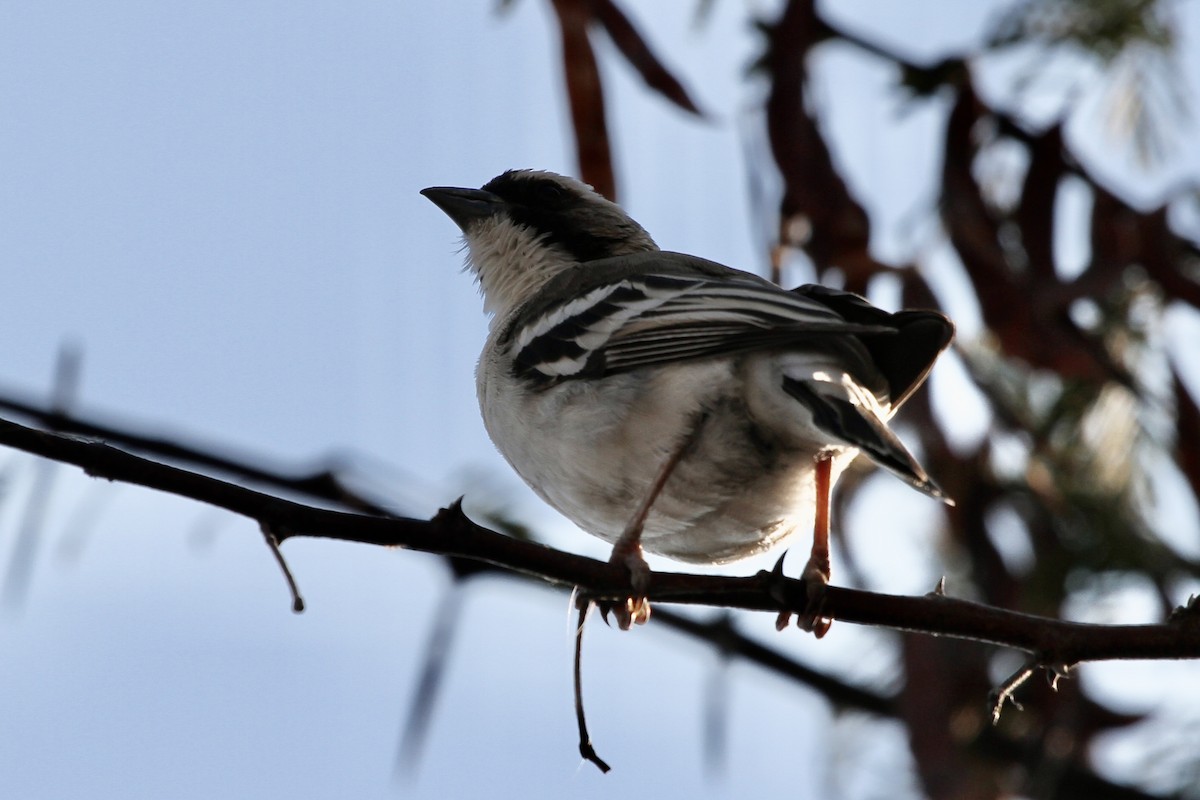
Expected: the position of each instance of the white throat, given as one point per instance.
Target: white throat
(511, 264)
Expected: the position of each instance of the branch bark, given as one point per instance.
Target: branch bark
(452, 533)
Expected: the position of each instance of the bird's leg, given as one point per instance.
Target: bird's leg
(627, 551)
(816, 571)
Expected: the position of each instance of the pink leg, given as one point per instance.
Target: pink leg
(816, 572)
(628, 549)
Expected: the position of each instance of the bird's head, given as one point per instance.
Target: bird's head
(525, 226)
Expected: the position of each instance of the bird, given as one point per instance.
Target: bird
(669, 404)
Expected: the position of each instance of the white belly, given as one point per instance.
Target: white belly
(744, 486)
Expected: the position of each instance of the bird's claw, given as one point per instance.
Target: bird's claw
(634, 609)
(816, 580)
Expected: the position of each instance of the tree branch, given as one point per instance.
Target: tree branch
(451, 533)
(325, 485)
(322, 484)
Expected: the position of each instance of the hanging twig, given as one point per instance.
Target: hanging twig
(585, 741)
(273, 543)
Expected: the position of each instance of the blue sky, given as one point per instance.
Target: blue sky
(218, 203)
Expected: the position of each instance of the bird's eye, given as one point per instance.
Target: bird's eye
(550, 194)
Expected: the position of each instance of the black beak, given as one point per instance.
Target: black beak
(464, 206)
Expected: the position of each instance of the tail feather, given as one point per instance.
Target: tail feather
(859, 426)
(905, 358)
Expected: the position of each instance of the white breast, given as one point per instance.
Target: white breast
(593, 448)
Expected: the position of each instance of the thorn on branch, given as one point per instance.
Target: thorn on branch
(606, 606)
(272, 540)
(455, 508)
(940, 589)
(585, 741)
(1188, 613)
(451, 512)
(775, 587)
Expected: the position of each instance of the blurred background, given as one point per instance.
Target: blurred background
(210, 232)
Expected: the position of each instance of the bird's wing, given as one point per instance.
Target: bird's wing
(637, 318)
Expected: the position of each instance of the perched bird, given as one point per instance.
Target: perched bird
(668, 403)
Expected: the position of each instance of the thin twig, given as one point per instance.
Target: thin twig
(1006, 691)
(585, 741)
(273, 543)
(716, 709)
(322, 484)
(428, 685)
(23, 558)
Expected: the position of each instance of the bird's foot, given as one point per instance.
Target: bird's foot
(816, 581)
(634, 609)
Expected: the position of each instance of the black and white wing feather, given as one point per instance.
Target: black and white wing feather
(658, 308)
